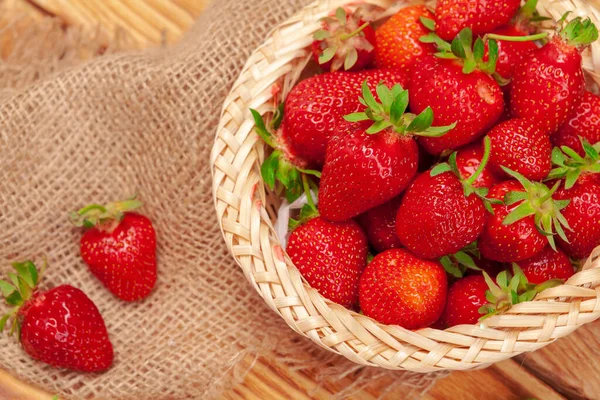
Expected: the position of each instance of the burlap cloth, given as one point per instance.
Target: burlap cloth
(74, 132)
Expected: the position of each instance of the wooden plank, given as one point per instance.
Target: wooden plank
(571, 364)
(502, 381)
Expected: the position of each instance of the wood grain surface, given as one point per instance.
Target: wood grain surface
(566, 369)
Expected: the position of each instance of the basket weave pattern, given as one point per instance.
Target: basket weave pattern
(246, 210)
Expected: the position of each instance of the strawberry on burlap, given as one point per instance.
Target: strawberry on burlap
(78, 132)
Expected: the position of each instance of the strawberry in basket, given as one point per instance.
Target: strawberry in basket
(526, 223)
(398, 44)
(345, 41)
(401, 289)
(584, 123)
(380, 225)
(316, 105)
(457, 84)
(477, 297)
(373, 157)
(520, 145)
(482, 16)
(548, 86)
(581, 189)
(331, 256)
(61, 327)
(119, 247)
(546, 265)
(442, 212)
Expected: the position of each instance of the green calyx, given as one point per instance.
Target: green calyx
(309, 210)
(96, 214)
(528, 13)
(468, 187)
(537, 201)
(390, 113)
(509, 290)
(278, 167)
(462, 48)
(578, 32)
(335, 38)
(457, 264)
(570, 165)
(471, 53)
(18, 290)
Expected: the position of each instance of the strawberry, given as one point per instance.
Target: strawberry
(458, 87)
(475, 298)
(518, 144)
(316, 105)
(61, 327)
(465, 297)
(344, 41)
(482, 16)
(397, 40)
(510, 53)
(331, 256)
(398, 288)
(525, 224)
(548, 85)
(582, 214)
(584, 122)
(119, 247)
(547, 264)
(468, 160)
(367, 165)
(441, 212)
(380, 225)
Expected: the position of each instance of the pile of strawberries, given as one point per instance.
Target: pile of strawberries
(62, 326)
(434, 195)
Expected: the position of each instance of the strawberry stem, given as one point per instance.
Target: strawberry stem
(347, 36)
(506, 38)
(487, 149)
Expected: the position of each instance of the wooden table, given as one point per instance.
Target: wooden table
(566, 369)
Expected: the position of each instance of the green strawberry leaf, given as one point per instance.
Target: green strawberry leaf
(351, 58)
(3, 321)
(6, 288)
(398, 106)
(466, 260)
(340, 14)
(514, 197)
(327, 54)
(261, 129)
(24, 272)
(357, 117)
(321, 34)
(269, 168)
(428, 23)
(14, 299)
(440, 169)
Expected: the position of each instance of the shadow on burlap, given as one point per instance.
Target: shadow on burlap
(74, 132)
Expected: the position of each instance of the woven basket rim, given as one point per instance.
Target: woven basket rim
(244, 213)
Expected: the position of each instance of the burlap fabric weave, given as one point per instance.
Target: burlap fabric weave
(74, 132)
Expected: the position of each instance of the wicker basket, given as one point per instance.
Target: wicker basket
(246, 212)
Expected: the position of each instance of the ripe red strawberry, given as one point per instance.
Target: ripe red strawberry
(548, 85)
(119, 247)
(512, 233)
(465, 297)
(397, 288)
(380, 225)
(582, 214)
(459, 89)
(369, 165)
(441, 212)
(398, 44)
(482, 16)
(583, 122)
(331, 256)
(511, 53)
(61, 327)
(519, 145)
(468, 159)
(346, 41)
(316, 105)
(547, 264)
